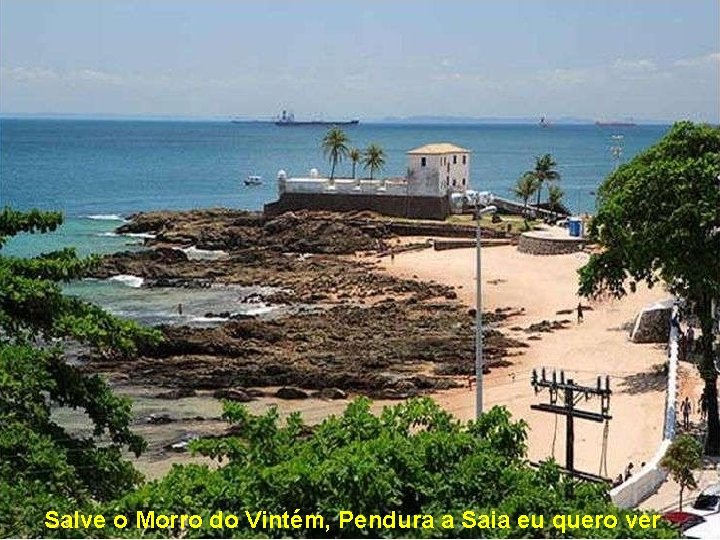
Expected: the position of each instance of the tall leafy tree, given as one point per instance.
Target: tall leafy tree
(42, 465)
(681, 459)
(659, 219)
(525, 188)
(355, 156)
(374, 159)
(543, 172)
(335, 147)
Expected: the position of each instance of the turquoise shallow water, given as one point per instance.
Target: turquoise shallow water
(99, 172)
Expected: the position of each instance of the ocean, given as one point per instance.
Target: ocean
(99, 172)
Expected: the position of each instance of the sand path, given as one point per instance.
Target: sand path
(543, 285)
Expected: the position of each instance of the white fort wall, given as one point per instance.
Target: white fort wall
(348, 186)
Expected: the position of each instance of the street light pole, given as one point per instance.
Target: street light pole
(478, 312)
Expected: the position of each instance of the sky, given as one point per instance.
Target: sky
(649, 60)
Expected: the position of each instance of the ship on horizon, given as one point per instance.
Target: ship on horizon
(288, 119)
(618, 123)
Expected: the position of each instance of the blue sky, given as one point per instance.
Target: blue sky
(611, 59)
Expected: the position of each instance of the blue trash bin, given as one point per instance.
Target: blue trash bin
(575, 227)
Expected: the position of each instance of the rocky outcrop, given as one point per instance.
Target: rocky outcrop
(652, 324)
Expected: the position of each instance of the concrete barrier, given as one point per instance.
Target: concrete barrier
(639, 487)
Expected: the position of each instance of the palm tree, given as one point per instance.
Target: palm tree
(374, 159)
(525, 188)
(555, 195)
(544, 171)
(355, 155)
(334, 146)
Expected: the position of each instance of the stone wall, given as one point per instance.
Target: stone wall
(549, 246)
(437, 208)
(640, 486)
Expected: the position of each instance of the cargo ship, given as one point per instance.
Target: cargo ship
(616, 124)
(288, 119)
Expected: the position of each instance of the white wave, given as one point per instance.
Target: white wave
(260, 310)
(129, 235)
(195, 254)
(105, 217)
(208, 319)
(126, 279)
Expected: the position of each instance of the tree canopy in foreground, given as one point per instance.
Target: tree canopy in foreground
(42, 465)
(659, 220)
(413, 458)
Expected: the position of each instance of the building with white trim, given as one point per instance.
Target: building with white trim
(436, 173)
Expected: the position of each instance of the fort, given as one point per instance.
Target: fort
(434, 186)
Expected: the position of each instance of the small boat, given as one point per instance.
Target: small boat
(544, 122)
(253, 180)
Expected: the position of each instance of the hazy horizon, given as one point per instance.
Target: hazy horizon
(512, 61)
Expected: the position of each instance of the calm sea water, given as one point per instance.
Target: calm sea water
(98, 172)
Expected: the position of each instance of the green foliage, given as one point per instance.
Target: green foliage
(42, 465)
(413, 458)
(335, 147)
(543, 172)
(682, 457)
(659, 219)
(555, 197)
(355, 156)
(527, 185)
(13, 222)
(374, 159)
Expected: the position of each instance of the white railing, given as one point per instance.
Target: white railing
(639, 487)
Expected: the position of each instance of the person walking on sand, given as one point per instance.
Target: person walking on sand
(685, 409)
(690, 341)
(703, 406)
(580, 313)
(392, 254)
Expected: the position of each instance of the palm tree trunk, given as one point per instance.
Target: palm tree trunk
(332, 170)
(537, 205)
(353, 170)
(682, 488)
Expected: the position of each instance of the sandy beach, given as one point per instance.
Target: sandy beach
(543, 285)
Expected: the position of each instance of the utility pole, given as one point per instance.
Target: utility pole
(479, 367)
(571, 395)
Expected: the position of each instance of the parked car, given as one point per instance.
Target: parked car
(708, 502)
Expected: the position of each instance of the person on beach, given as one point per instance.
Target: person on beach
(685, 409)
(703, 407)
(675, 316)
(580, 313)
(690, 341)
(629, 471)
(392, 254)
(180, 309)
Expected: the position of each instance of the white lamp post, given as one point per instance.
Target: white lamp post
(478, 306)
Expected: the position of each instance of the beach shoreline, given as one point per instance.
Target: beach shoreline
(528, 305)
